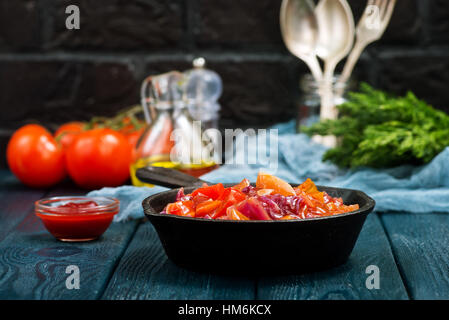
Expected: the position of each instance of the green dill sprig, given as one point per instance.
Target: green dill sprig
(379, 130)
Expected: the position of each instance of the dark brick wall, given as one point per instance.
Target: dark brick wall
(51, 75)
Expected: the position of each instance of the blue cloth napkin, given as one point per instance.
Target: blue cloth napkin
(404, 188)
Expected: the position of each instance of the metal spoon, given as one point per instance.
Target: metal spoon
(336, 36)
(299, 30)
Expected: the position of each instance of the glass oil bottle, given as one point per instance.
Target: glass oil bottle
(172, 139)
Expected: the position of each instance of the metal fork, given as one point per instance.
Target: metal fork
(370, 28)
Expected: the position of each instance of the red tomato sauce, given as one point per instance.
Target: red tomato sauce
(77, 221)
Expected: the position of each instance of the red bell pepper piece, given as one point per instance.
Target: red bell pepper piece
(199, 198)
(229, 197)
(213, 192)
(207, 207)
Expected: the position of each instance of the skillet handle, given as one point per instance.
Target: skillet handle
(166, 177)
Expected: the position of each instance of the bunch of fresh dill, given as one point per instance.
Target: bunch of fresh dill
(379, 130)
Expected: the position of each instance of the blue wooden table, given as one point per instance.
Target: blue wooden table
(410, 251)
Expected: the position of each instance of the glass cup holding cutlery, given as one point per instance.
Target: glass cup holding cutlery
(309, 103)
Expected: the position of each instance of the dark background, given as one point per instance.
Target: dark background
(52, 75)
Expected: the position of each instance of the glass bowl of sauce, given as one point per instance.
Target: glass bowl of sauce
(76, 219)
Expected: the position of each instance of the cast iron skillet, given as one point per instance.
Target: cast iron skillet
(252, 247)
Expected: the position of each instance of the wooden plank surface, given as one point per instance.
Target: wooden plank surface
(128, 262)
(346, 281)
(16, 201)
(420, 243)
(145, 272)
(33, 264)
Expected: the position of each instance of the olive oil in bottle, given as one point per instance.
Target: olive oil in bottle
(195, 170)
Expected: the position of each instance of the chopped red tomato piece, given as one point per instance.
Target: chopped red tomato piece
(181, 208)
(233, 214)
(308, 186)
(243, 184)
(267, 181)
(264, 192)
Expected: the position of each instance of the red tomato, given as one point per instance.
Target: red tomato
(67, 133)
(133, 138)
(130, 126)
(99, 158)
(34, 157)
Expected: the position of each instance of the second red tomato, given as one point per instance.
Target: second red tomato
(99, 158)
(67, 132)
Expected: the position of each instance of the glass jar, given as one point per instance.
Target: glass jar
(309, 104)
